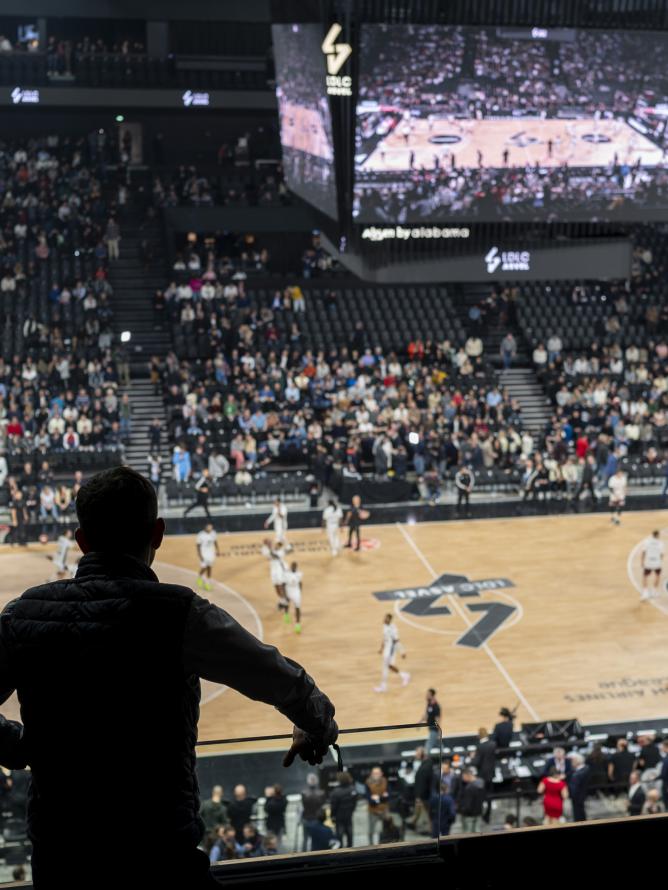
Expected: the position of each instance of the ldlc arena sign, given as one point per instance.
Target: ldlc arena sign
(507, 260)
(337, 55)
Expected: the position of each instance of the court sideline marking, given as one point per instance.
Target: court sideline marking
(457, 607)
(636, 584)
(230, 590)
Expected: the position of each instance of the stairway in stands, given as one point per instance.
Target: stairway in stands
(522, 385)
(520, 380)
(467, 295)
(134, 285)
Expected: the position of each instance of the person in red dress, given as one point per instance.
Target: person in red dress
(555, 791)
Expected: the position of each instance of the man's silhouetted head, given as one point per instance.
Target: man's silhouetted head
(118, 513)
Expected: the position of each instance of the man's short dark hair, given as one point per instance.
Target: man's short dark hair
(117, 510)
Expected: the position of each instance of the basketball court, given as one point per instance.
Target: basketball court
(543, 612)
(303, 129)
(548, 143)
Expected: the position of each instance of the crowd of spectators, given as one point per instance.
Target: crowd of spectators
(64, 55)
(432, 795)
(257, 393)
(61, 368)
(262, 186)
(601, 353)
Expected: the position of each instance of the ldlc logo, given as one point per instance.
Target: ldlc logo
(337, 55)
(189, 98)
(459, 590)
(20, 96)
(508, 260)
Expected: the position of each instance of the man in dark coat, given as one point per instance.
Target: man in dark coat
(470, 799)
(503, 730)
(484, 761)
(636, 795)
(343, 801)
(578, 784)
(107, 669)
(423, 786)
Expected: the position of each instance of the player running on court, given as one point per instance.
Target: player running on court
(65, 544)
(652, 563)
(293, 588)
(331, 517)
(617, 485)
(277, 571)
(207, 550)
(389, 648)
(279, 519)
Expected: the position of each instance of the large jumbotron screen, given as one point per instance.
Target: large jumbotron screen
(305, 119)
(459, 123)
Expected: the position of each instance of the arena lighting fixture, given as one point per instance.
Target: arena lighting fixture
(125, 336)
(120, 118)
(414, 438)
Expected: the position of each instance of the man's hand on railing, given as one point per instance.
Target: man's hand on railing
(311, 748)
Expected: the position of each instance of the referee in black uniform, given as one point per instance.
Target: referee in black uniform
(202, 489)
(354, 521)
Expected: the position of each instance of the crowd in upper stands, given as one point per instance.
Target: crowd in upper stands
(189, 187)
(61, 367)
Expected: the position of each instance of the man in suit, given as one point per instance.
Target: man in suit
(561, 763)
(577, 786)
(484, 761)
(503, 730)
(636, 795)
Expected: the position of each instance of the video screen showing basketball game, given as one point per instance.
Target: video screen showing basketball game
(458, 123)
(304, 115)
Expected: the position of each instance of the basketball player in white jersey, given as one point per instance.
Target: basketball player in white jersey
(279, 519)
(277, 571)
(293, 589)
(65, 544)
(652, 563)
(389, 648)
(617, 486)
(207, 550)
(331, 518)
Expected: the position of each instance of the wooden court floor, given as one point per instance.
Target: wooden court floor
(554, 625)
(579, 143)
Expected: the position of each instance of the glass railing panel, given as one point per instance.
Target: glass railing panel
(383, 790)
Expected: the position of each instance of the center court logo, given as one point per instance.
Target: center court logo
(507, 260)
(422, 601)
(337, 54)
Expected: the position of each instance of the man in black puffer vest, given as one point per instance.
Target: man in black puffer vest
(107, 669)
